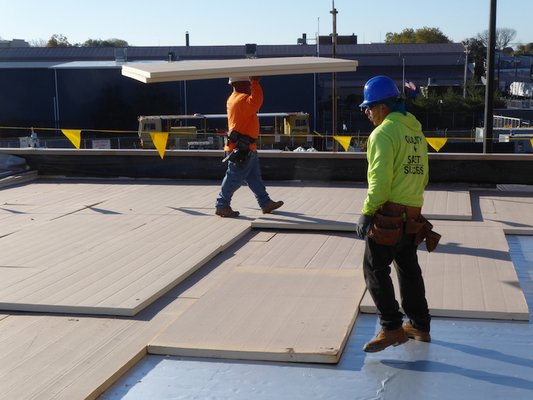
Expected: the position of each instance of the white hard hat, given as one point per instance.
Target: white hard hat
(233, 79)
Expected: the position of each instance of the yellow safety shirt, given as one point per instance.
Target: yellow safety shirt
(398, 169)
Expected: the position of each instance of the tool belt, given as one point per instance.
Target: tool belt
(393, 220)
(242, 151)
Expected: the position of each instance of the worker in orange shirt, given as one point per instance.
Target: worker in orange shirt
(243, 162)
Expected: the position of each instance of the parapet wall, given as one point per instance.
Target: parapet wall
(276, 165)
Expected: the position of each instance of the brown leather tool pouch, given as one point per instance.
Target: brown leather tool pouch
(413, 226)
(432, 240)
(386, 230)
(426, 233)
(393, 220)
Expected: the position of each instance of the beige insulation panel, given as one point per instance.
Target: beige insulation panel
(284, 220)
(290, 296)
(269, 314)
(507, 208)
(209, 69)
(74, 357)
(470, 275)
(338, 208)
(107, 264)
(449, 203)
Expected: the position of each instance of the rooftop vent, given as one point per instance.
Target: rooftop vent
(121, 54)
(250, 50)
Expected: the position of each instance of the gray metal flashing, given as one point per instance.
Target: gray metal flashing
(88, 65)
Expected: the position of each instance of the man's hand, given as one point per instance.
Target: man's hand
(363, 225)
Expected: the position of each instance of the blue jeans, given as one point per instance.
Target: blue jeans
(247, 172)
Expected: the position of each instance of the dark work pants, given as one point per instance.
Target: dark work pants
(376, 266)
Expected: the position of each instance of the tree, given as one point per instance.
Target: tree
(504, 36)
(523, 49)
(422, 35)
(39, 43)
(58, 40)
(105, 43)
(477, 53)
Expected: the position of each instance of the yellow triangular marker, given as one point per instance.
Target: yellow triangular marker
(74, 135)
(437, 143)
(160, 142)
(344, 141)
(531, 141)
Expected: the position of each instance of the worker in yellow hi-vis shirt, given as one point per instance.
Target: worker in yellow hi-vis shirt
(391, 222)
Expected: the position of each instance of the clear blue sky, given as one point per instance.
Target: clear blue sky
(235, 22)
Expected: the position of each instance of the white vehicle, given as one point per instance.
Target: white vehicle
(521, 89)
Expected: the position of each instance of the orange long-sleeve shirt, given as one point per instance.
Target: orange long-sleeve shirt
(242, 111)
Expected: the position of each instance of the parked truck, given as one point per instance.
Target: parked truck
(207, 131)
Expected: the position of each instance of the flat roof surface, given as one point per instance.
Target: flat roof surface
(71, 248)
(467, 359)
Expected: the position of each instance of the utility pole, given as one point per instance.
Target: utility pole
(334, 75)
(466, 67)
(489, 89)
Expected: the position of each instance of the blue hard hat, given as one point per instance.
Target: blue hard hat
(379, 89)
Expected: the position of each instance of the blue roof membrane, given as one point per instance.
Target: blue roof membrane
(467, 359)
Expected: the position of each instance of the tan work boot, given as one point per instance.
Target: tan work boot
(416, 334)
(271, 206)
(385, 339)
(226, 212)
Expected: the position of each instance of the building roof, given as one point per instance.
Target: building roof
(443, 63)
(129, 237)
(436, 52)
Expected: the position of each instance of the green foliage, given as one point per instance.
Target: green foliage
(422, 35)
(477, 53)
(452, 99)
(475, 96)
(426, 103)
(58, 40)
(105, 43)
(524, 49)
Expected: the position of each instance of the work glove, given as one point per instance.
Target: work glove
(363, 225)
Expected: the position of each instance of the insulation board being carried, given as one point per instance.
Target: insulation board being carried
(209, 69)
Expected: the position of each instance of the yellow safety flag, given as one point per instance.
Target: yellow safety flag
(160, 142)
(344, 141)
(436, 143)
(74, 135)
